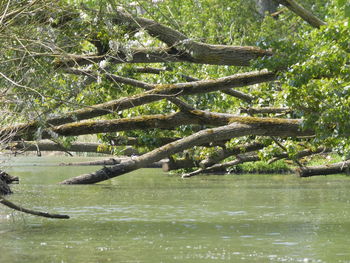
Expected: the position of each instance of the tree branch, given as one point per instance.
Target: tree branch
(159, 92)
(196, 51)
(303, 13)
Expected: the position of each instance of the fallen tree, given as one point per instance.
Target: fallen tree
(269, 127)
(182, 102)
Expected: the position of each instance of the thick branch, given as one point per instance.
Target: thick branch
(303, 13)
(159, 121)
(196, 51)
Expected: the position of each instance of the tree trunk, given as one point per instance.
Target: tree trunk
(335, 168)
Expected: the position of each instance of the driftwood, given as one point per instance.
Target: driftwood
(334, 168)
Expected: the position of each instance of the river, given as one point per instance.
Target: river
(149, 216)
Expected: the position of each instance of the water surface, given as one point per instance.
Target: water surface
(148, 216)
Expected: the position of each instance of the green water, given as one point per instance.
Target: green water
(148, 216)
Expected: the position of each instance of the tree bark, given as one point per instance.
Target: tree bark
(335, 168)
(282, 128)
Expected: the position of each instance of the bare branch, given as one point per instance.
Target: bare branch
(32, 212)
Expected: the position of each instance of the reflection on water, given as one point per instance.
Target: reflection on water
(148, 216)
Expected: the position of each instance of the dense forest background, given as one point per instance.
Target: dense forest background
(207, 84)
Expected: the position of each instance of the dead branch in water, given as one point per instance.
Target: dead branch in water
(32, 212)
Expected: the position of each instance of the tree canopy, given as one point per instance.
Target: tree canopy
(205, 83)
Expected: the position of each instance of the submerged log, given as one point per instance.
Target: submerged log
(334, 168)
